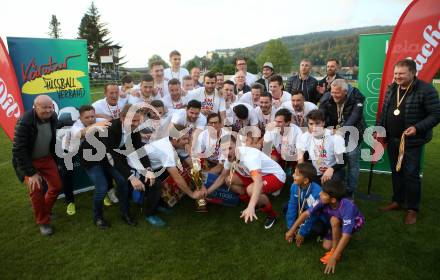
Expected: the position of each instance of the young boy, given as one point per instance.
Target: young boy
(344, 219)
(304, 195)
(325, 149)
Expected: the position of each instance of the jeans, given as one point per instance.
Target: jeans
(352, 174)
(97, 175)
(406, 182)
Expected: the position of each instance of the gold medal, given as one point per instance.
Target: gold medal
(396, 112)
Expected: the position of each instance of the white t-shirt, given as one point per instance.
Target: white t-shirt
(299, 118)
(161, 153)
(134, 99)
(161, 89)
(251, 159)
(215, 103)
(284, 144)
(102, 107)
(179, 117)
(74, 132)
(250, 78)
(209, 144)
(263, 120)
(276, 103)
(171, 105)
(247, 98)
(168, 74)
(237, 124)
(322, 151)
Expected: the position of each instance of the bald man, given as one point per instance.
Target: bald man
(33, 161)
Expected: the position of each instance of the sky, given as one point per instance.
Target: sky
(193, 27)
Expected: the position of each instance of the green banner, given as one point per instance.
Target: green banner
(372, 52)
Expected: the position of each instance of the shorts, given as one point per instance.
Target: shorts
(358, 224)
(270, 182)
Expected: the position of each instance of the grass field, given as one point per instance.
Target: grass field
(216, 245)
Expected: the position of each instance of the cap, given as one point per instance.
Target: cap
(268, 64)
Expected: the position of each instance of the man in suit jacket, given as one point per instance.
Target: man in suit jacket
(118, 152)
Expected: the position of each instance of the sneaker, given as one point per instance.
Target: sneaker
(46, 230)
(100, 223)
(324, 259)
(112, 195)
(71, 209)
(155, 221)
(270, 221)
(107, 201)
(165, 210)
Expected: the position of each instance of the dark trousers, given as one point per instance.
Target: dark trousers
(406, 182)
(97, 175)
(42, 202)
(67, 180)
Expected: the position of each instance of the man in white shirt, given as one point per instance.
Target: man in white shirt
(265, 112)
(187, 85)
(126, 86)
(241, 65)
(220, 80)
(175, 71)
(174, 100)
(160, 84)
(276, 89)
(253, 175)
(280, 141)
(253, 97)
(109, 107)
(209, 97)
(146, 91)
(299, 108)
(190, 117)
(195, 76)
(242, 115)
(208, 143)
(165, 162)
(325, 149)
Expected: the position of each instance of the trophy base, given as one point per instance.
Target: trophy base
(201, 206)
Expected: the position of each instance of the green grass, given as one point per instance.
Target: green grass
(216, 245)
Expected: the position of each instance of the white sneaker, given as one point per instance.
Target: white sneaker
(112, 195)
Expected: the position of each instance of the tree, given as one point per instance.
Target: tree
(54, 27)
(94, 32)
(277, 53)
(156, 57)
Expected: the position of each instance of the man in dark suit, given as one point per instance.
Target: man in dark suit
(411, 107)
(118, 151)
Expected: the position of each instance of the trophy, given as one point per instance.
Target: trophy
(196, 176)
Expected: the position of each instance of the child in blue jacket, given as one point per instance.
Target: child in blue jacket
(304, 194)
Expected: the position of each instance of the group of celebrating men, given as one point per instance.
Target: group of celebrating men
(249, 132)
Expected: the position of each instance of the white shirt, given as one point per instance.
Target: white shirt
(215, 103)
(134, 99)
(161, 154)
(250, 78)
(284, 144)
(209, 144)
(232, 120)
(102, 107)
(179, 117)
(322, 151)
(74, 133)
(247, 98)
(161, 89)
(251, 159)
(276, 103)
(298, 116)
(263, 120)
(169, 74)
(171, 105)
